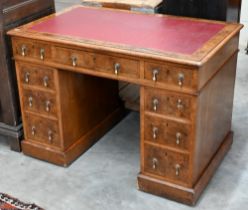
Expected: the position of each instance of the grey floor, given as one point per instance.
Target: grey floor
(104, 178)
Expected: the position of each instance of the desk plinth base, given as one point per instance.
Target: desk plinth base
(64, 158)
(183, 194)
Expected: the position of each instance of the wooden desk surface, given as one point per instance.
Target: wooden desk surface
(155, 36)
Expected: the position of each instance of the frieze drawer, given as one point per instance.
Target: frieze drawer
(28, 49)
(74, 58)
(171, 75)
(117, 66)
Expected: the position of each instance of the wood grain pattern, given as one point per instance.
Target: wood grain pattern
(168, 103)
(192, 116)
(163, 131)
(214, 115)
(163, 163)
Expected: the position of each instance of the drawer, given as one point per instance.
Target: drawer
(42, 130)
(105, 63)
(171, 75)
(37, 76)
(39, 102)
(118, 66)
(75, 58)
(167, 132)
(32, 49)
(166, 163)
(168, 103)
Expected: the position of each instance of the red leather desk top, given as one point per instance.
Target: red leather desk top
(160, 33)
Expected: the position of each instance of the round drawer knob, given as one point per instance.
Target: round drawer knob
(42, 54)
(180, 79)
(154, 132)
(117, 68)
(155, 103)
(177, 167)
(27, 77)
(45, 81)
(155, 73)
(23, 50)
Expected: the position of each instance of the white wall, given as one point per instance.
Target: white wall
(244, 20)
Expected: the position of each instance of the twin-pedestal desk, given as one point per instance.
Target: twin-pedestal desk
(68, 66)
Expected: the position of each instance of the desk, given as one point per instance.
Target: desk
(67, 74)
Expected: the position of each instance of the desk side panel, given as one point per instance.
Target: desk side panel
(214, 116)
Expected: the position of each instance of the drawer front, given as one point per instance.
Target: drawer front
(171, 75)
(37, 76)
(32, 49)
(42, 130)
(40, 102)
(98, 62)
(167, 132)
(168, 103)
(74, 58)
(165, 163)
(117, 66)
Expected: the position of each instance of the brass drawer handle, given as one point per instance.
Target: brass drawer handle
(177, 167)
(155, 103)
(155, 73)
(180, 79)
(30, 101)
(50, 136)
(117, 68)
(48, 106)
(23, 50)
(179, 104)
(154, 132)
(27, 77)
(74, 61)
(42, 53)
(33, 130)
(178, 138)
(45, 81)
(154, 163)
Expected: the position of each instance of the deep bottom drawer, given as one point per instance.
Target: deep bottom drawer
(42, 130)
(165, 163)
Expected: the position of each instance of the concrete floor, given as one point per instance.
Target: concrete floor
(104, 178)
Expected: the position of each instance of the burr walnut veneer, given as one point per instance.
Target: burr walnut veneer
(67, 77)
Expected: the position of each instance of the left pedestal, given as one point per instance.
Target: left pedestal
(64, 113)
